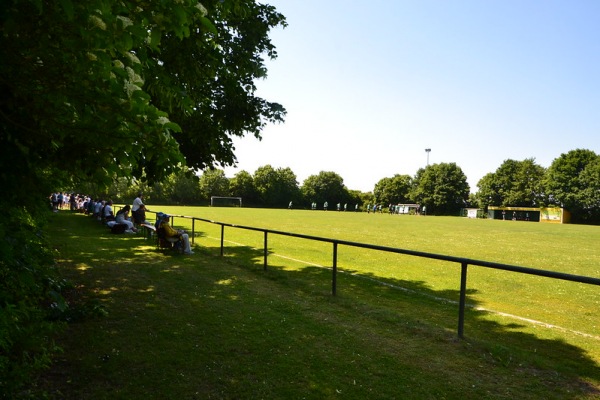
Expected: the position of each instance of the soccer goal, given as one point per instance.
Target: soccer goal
(220, 201)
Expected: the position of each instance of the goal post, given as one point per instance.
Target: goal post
(222, 201)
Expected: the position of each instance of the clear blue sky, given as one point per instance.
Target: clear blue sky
(368, 86)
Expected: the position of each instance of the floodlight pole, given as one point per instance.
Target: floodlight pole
(427, 151)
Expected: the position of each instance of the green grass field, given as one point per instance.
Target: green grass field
(210, 327)
(574, 249)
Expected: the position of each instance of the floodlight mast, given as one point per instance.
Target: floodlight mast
(427, 151)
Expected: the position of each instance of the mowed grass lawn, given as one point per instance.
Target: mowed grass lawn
(573, 249)
(209, 327)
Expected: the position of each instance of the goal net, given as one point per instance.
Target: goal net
(219, 201)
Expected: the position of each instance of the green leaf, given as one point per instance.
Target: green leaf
(181, 14)
(67, 7)
(208, 25)
(126, 42)
(172, 126)
(155, 37)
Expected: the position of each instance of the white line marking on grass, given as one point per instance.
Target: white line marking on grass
(437, 298)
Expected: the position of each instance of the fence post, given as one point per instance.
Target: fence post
(222, 238)
(193, 229)
(265, 251)
(462, 302)
(334, 269)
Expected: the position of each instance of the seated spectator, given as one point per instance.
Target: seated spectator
(97, 209)
(170, 232)
(122, 217)
(91, 206)
(107, 212)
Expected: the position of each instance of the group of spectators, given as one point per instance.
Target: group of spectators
(102, 210)
(70, 201)
(99, 209)
(127, 220)
(122, 221)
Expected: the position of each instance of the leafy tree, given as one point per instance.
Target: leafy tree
(325, 186)
(356, 197)
(214, 98)
(135, 187)
(89, 87)
(442, 188)
(242, 185)
(393, 190)
(487, 195)
(515, 183)
(213, 183)
(473, 201)
(590, 181)
(185, 188)
(119, 190)
(287, 186)
(276, 187)
(159, 192)
(566, 183)
(367, 198)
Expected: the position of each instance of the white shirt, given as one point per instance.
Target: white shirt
(137, 203)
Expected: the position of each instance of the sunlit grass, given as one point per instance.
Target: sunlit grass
(202, 326)
(570, 249)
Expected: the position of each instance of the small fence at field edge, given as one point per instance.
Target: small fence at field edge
(464, 262)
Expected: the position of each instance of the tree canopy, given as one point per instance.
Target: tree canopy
(442, 188)
(515, 183)
(214, 183)
(572, 182)
(325, 186)
(276, 187)
(100, 89)
(393, 190)
(242, 185)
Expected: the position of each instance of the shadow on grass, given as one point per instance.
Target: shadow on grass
(134, 280)
(502, 343)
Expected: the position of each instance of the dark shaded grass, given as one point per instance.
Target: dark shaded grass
(204, 327)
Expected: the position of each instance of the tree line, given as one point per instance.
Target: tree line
(572, 181)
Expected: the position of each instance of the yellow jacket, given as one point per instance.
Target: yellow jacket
(169, 231)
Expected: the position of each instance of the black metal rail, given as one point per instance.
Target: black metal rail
(464, 262)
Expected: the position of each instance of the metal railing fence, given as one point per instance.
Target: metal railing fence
(464, 262)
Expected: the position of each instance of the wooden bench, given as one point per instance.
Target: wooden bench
(149, 230)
